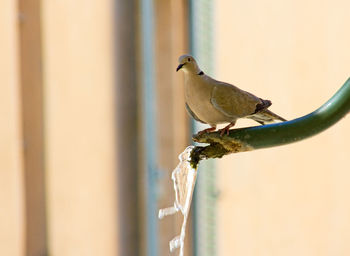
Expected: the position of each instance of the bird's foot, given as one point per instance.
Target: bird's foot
(207, 130)
(226, 129)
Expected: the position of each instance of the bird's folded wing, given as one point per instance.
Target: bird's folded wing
(232, 101)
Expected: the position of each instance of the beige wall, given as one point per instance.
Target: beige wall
(59, 93)
(290, 200)
(78, 57)
(57, 185)
(11, 199)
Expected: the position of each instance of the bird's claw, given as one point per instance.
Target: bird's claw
(223, 130)
(206, 131)
(226, 129)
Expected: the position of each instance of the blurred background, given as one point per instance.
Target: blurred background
(93, 119)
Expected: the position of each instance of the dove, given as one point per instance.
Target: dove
(213, 102)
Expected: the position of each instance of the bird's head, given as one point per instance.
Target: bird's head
(188, 64)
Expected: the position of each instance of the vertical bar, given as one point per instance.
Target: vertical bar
(205, 194)
(171, 41)
(149, 125)
(127, 127)
(33, 124)
(164, 76)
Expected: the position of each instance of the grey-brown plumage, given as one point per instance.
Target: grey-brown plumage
(213, 102)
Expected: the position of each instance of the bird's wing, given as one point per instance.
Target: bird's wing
(190, 112)
(234, 102)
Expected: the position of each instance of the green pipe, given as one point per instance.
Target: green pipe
(251, 138)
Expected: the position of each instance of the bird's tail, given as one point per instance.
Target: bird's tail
(266, 117)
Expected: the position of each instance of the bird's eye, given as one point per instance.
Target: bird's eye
(189, 59)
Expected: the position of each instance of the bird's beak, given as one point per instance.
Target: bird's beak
(179, 67)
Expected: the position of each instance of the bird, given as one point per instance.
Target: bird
(213, 102)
